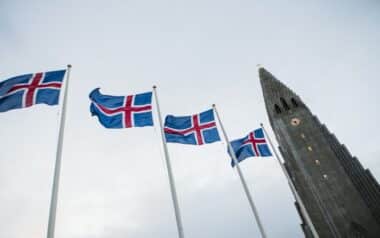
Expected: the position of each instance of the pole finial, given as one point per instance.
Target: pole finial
(69, 66)
(261, 124)
(213, 105)
(154, 86)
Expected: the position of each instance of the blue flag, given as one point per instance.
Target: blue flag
(122, 111)
(30, 89)
(197, 129)
(253, 145)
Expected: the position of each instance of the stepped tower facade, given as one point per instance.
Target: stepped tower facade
(341, 198)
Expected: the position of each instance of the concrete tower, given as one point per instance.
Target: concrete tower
(340, 196)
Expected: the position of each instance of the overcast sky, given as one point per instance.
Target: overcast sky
(199, 52)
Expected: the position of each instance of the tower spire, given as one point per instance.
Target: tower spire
(277, 96)
(271, 85)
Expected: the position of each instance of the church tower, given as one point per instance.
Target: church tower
(341, 198)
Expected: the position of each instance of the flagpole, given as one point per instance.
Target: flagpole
(169, 169)
(242, 179)
(57, 169)
(292, 187)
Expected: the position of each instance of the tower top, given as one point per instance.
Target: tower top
(272, 86)
(277, 96)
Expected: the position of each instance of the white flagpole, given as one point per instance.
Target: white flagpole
(242, 179)
(57, 169)
(169, 169)
(297, 197)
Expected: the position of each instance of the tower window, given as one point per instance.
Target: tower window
(277, 109)
(284, 104)
(294, 102)
(309, 148)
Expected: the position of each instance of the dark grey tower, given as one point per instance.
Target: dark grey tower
(341, 197)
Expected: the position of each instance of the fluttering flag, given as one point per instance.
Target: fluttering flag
(30, 89)
(253, 145)
(122, 111)
(197, 129)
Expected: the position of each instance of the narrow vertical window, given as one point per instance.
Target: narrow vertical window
(277, 109)
(294, 102)
(284, 104)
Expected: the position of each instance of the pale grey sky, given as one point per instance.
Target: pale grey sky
(114, 182)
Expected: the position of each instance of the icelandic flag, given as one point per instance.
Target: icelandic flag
(122, 111)
(197, 129)
(30, 89)
(253, 145)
